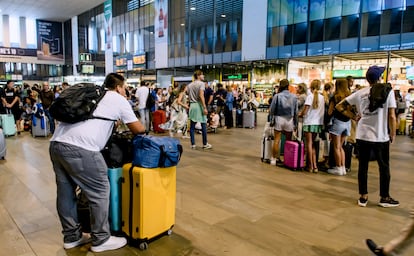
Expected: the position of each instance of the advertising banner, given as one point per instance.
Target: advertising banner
(109, 58)
(49, 40)
(161, 33)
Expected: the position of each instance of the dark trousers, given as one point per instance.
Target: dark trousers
(51, 121)
(228, 117)
(381, 151)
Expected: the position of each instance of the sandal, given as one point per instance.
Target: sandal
(375, 248)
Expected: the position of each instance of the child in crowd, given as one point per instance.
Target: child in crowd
(214, 120)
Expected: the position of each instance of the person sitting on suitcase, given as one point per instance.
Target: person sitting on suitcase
(75, 151)
(283, 110)
(214, 121)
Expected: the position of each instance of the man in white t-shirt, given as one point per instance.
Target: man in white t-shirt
(376, 129)
(75, 151)
(141, 95)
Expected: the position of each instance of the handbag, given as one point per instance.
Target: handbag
(118, 149)
(155, 151)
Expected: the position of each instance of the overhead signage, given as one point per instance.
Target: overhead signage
(235, 77)
(355, 73)
(11, 51)
(130, 62)
(85, 57)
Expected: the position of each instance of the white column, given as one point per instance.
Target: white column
(23, 34)
(6, 31)
(75, 44)
(254, 30)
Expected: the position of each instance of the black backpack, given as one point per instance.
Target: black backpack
(77, 103)
(378, 94)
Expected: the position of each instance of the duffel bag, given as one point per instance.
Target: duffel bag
(156, 151)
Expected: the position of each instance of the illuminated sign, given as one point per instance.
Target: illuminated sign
(237, 77)
(358, 73)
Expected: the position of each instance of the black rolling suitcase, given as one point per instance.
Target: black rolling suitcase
(239, 118)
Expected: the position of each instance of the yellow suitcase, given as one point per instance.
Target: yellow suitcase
(148, 202)
(402, 126)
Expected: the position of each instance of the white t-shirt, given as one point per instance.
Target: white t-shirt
(314, 116)
(373, 126)
(93, 134)
(141, 95)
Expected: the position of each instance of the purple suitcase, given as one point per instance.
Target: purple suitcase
(294, 155)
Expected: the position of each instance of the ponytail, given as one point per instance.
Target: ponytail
(315, 86)
(315, 99)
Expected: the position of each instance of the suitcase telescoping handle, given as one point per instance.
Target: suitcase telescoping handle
(131, 199)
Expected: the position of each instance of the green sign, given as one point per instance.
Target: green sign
(234, 77)
(237, 77)
(358, 73)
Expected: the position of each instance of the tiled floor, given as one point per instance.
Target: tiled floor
(228, 203)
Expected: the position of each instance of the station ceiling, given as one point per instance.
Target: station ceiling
(51, 10)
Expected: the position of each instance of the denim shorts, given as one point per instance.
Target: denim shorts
(283, 124)
(339, 127)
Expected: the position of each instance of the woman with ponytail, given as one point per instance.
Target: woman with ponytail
(313, 114)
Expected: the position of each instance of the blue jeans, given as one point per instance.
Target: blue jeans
(75, 166)
(381, 151)
(51, 121)
(144, 118)
(203, 132)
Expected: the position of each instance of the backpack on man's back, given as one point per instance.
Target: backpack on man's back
(77, 103)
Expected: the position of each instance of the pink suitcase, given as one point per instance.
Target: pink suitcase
(294, 155)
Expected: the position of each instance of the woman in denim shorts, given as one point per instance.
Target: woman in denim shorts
(341, 127)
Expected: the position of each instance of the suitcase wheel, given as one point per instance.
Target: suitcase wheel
(169, 232)
(143, 246)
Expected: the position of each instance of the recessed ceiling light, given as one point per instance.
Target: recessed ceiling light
(192, 8)
(223, 15)
(182, 24)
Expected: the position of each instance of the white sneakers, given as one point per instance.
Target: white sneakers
(86, 238)
(207, 146)
(337, 170)
(273, 161)
(112, 243)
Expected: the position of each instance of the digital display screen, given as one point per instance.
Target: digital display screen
(88, 69)
(410, 72)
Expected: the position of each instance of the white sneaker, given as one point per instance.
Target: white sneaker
(86, 238)
(272, 161)
(112, 243)
(186, 137)
(207, 146)
(335, 171)
(343, 170)
(193, 146)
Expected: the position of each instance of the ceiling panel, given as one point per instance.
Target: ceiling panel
(52, 10)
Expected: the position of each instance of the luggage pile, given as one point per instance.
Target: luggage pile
(143, 187)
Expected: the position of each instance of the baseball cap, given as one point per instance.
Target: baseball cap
(374, 73)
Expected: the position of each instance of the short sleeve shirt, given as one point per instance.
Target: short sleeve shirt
(314, 116)
(93, 134)
(194, 90)
(373, 126)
